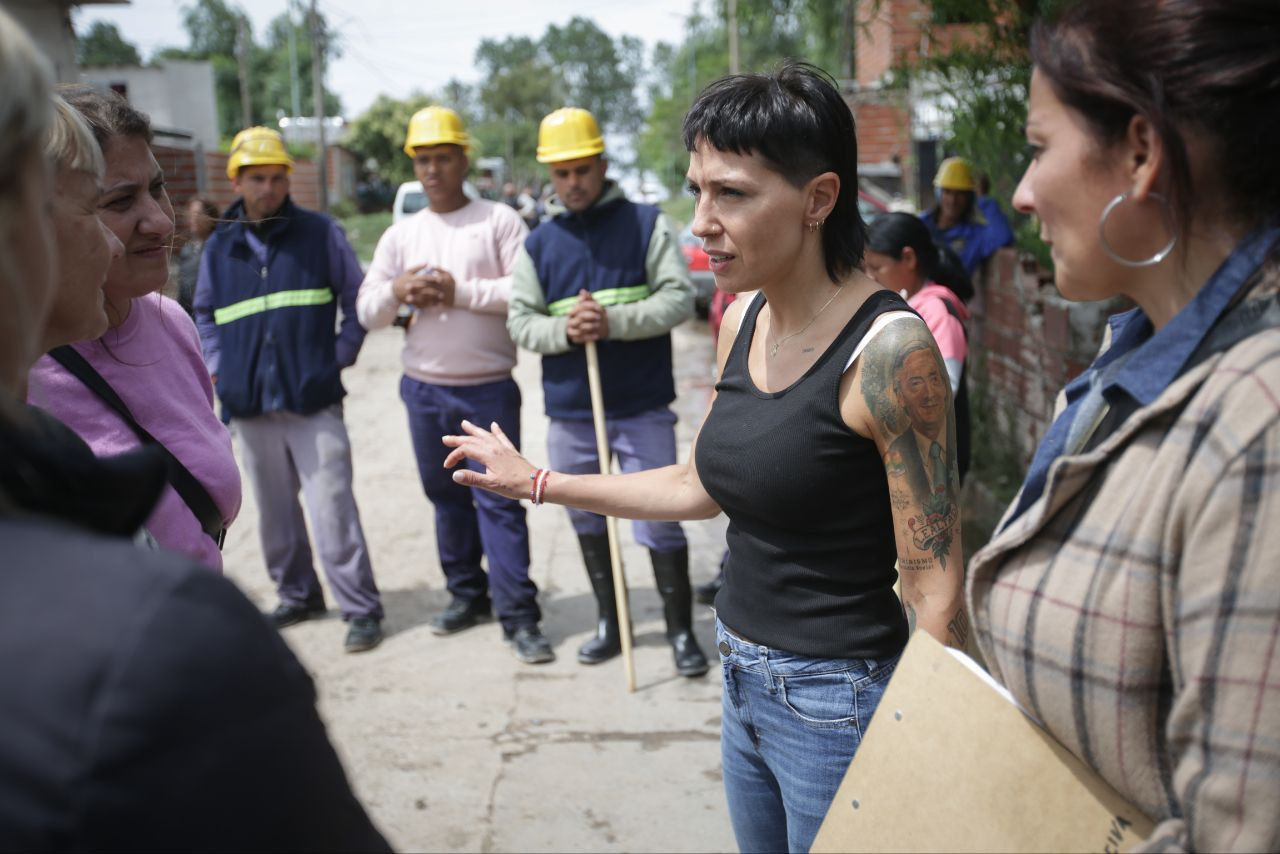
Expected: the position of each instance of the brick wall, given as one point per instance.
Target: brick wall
(883, 127)
(181, 173)
(1028, 342)
(891, 33)
(1025, 343)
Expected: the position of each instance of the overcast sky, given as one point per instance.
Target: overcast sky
(395, 47)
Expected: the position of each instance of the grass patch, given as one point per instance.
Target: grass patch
(364, 230)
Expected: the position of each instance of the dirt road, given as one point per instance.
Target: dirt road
(451, 743)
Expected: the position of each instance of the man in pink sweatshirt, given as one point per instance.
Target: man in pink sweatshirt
(451, 264)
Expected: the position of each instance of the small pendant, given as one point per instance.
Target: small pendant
(773, 351)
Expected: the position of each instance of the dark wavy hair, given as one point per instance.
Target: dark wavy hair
(1208, 67)
(797, 121)
(890, 233)
(108, 114)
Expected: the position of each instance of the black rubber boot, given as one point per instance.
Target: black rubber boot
(671, 572)
(606, 644)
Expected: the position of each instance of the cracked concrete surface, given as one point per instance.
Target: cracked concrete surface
(453, 745)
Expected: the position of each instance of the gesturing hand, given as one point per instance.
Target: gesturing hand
(506, 472)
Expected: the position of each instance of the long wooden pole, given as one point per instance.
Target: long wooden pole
(611, 524)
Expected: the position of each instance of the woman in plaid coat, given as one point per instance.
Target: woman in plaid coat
(1131, 596)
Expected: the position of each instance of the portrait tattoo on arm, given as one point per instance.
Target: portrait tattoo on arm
(906, 389)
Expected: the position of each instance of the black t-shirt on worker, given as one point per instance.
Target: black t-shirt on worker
(811, 545)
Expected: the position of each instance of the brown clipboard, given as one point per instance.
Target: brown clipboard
(949, 764)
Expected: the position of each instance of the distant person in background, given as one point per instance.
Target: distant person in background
(510, 197)
(901, 255)
(528, 207)
(201, 217)
(973, 226)
(607, 270)
(271, 280)
(451, 263)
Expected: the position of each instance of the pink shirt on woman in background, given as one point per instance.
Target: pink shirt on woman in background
(930, 302)
(153, 362)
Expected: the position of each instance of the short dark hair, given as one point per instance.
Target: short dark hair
(890, 233)
(1201, 65)
(797, 121)
(108, 114)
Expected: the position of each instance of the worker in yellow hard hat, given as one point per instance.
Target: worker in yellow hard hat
(607, 270)
(451, 264)
(973, 225)
(266, 305)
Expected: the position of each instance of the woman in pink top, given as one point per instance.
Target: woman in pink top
(150, 355)
(902, 256)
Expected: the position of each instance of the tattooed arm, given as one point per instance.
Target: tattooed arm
(899, 396)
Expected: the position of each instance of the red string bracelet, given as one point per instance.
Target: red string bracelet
(539, 485)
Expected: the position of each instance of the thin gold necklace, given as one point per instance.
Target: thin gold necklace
(778, 342)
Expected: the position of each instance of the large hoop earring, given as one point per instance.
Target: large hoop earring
(1145, 262)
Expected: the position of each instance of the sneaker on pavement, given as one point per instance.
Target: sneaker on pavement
(288, 615)
(531, 646)
(461, 614)
(363, 633)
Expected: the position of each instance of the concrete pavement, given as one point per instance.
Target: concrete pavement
(451, 743)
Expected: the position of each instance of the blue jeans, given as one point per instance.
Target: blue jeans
(789, 728)
(640, 442)
(471, 524)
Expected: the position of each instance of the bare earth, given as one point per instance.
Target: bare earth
(451, 743)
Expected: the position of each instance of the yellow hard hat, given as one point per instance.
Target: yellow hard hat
(257, 146)
(567, 134)
(435, 126)
(954, 174)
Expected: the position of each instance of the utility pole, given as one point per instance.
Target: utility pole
(317, 91)
(242, 58)
(295, 97)
(733, 36)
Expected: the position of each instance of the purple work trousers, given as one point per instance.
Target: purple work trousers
(644, 441)
(471, 524)
(285, 452)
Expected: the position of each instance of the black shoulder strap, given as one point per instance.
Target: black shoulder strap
(182, 480)
(955, 312)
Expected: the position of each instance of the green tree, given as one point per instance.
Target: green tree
(214, 31)
(769, 31)
(985, 80)
(379, 132)
(103, 45)
(590, 71)
(275, 74)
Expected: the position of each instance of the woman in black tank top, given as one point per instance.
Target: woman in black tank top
(830, 444)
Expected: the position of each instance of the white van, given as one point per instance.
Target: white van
(410, 199)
